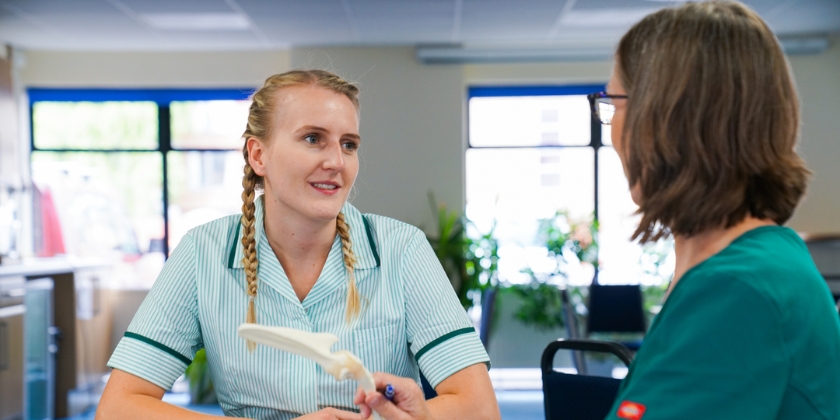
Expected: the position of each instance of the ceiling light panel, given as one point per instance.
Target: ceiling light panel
(179, 6)
(197, 21)
(220, 40)
(604, 18)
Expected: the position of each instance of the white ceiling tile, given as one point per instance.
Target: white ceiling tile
(37, 7)
(116, 24)
(310, 11)
(177, 6)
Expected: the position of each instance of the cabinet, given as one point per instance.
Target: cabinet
(81, 317)
(12, 311)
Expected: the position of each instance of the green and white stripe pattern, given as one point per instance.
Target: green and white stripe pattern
(410, 319)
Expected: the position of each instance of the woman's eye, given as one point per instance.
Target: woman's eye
(350, 145)
(311, 138)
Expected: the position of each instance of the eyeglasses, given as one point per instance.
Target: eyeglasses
(602, 106)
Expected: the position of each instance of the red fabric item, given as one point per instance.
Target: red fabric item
(51, 236)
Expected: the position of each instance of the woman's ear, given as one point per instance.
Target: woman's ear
(256, 155)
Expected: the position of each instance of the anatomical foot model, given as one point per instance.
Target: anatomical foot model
(316, 347)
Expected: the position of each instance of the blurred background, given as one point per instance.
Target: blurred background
(120, 124)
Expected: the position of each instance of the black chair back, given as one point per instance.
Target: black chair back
(616, 308)
(579, 397)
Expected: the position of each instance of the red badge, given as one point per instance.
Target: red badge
(630, 410)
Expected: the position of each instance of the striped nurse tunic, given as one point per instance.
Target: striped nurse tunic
(410, 318)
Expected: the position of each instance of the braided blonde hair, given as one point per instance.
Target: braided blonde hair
(260, 126)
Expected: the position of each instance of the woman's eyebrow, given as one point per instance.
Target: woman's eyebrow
(324, 130)
(313, 128)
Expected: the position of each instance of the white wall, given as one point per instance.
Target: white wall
(413, 115)
(412, 140)
(151, 69)
(818, 79)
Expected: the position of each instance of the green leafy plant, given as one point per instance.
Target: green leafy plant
(542, 297)
(198, 375)
(470, 263)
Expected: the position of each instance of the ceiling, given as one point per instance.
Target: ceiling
(272, 24)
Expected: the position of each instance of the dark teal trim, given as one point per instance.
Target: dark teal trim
(154, 343)
(441, 339)
(370, 239)
(233, 245)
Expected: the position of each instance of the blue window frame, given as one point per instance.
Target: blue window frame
(163, 146)
(547, 90)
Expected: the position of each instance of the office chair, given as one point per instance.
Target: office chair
(579, 396)
(616, 309)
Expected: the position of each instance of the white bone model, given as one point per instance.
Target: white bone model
(316, 347)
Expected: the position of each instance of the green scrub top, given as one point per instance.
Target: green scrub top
(750, 333)
(411, 318)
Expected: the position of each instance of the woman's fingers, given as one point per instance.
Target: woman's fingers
(359, 400)
(336, 414)
(404, 388)
(385, 408)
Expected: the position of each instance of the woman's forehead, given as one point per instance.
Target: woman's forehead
(314, 105)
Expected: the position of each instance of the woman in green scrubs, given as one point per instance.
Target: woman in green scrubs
(704, 116)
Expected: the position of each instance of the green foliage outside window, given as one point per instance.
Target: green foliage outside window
(566, 240)
(470, 263)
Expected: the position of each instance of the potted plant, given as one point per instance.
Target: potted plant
(547, 300)
(470, 262)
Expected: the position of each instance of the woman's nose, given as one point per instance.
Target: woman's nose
(334, 157)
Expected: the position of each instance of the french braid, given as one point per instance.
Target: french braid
(260, 118)
(249, 243)
(353, 299)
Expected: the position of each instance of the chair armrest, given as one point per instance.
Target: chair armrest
(617, 349)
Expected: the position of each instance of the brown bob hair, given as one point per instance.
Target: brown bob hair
(712, 120)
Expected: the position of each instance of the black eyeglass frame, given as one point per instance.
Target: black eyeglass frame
(593, 101)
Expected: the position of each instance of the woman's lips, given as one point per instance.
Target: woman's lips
(326, 188)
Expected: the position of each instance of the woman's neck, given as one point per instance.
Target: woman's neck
(295, 238)
(693, 250)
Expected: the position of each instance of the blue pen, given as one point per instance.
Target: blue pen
(389, 392)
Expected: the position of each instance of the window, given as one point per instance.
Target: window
(534, 151)
(124, 174)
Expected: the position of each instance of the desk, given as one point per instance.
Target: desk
(82, 315)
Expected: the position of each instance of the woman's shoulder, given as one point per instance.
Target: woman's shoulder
(384, 225)
(768, 266)
(218, 233)
(383, 228)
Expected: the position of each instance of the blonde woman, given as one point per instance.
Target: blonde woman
(704, 117)
(300, 256)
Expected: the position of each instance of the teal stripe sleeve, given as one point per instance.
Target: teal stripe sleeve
(441, 339)
(154, 343)
(233, 246)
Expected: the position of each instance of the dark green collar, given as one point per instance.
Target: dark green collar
(362, 234)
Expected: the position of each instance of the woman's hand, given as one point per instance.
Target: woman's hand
(330, 413)
(409, 402)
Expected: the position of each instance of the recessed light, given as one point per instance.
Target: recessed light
(197, 21)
